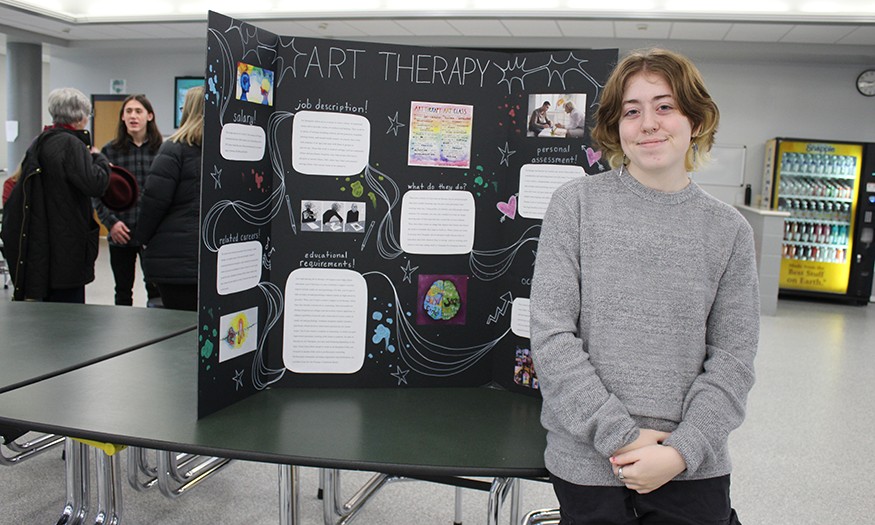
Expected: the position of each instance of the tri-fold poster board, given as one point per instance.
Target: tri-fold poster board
(370, 212)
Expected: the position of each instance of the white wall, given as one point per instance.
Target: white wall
(758, 102)
(148, 72)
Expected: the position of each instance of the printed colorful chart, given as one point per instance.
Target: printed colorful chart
(440, 135)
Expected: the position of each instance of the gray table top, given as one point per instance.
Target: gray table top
(148, 398)
(40, 340)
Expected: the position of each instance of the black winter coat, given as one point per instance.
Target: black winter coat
(169, 215)
(49, 233)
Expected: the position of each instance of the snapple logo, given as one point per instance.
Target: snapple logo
(820, 148)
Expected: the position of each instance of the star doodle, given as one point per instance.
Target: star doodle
(294, 59)
(238, 379)
(516, 72)
(217, 176)
(248, 37)
(408, 272)
(401, 375)
(394, 124)
(505, 155)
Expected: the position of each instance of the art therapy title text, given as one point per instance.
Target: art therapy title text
(340, 63)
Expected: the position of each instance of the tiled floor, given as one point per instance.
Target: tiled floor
(803, 456)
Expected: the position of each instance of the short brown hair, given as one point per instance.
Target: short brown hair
(689, 91)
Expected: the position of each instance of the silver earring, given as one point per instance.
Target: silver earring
(695, 154)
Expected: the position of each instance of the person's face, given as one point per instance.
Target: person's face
(136, 117)
(654, 134)
(544, 108)
(567, 110)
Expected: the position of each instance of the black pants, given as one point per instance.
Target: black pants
(123, 260)
(698, 502)
(66, 295)
(179, 296)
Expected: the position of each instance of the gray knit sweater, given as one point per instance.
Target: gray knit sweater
(644, 314)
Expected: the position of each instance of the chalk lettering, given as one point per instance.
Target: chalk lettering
(243, 118)
(339, 60)
(431, 69)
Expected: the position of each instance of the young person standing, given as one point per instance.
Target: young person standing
(645, 313)
(134, 148)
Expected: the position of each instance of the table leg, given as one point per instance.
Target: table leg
(515, 503)
(332, 505)
(29, 449)
(290, 495)
(139, 464)
(542, 517)
(497, 495)
(458, 516)
(109, 489)
(76, 473)
(168, 472)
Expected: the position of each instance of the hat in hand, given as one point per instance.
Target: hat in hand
(122, 193)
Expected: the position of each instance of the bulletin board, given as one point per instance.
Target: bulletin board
(370, 212)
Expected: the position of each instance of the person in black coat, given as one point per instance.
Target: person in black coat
(170, 207)
(49, 231)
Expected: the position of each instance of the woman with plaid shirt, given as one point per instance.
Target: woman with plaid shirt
(133, 149)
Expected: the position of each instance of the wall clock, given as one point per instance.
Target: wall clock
(866, 83)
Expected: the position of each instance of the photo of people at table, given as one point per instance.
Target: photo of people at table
(557, 115)
(332, 216)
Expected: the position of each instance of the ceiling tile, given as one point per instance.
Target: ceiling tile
(862, 36)
(587, 28)
(331, 28)
(154, 31)
(757, 32)
(124, 31)
(642, 29)
(379, 27)
(532, 28)
(286, 28)
(190, 29)
(479, 27)
(433, 27)
(817, 34)
(699, 30)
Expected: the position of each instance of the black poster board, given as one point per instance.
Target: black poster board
(370, 212)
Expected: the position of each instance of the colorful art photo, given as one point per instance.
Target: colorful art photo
(239, 333)
(557, 115)
(442, 299)
(254, 84)
(524, 369)
(440, 135)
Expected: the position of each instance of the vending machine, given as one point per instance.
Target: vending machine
(828, 188)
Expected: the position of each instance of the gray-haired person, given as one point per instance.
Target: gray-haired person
(49, 231)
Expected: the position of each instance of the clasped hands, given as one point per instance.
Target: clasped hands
(647, 464)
